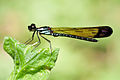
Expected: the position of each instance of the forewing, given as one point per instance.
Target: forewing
(90, 32)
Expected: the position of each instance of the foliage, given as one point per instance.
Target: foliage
(35, 65)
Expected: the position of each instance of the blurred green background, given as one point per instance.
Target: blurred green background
(77, 60)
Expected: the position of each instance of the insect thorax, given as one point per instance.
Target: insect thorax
(44, 30)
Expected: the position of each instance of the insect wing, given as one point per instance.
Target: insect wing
(90, 32)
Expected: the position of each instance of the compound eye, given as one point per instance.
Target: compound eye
(30, 28)
(33, 26)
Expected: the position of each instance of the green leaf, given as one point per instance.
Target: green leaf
(35, 65)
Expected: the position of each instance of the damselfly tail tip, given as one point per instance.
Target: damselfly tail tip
(95, 40)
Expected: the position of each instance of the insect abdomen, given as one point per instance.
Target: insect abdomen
(74, 36)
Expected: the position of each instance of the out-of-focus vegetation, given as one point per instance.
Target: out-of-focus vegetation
(77, 60)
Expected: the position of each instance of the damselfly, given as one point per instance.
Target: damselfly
(85, 33)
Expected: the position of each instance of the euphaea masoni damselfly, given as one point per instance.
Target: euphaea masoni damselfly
(84, 33)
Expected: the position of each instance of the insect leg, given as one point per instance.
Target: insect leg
(48, 41)
(29, 40)
(37, 42)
